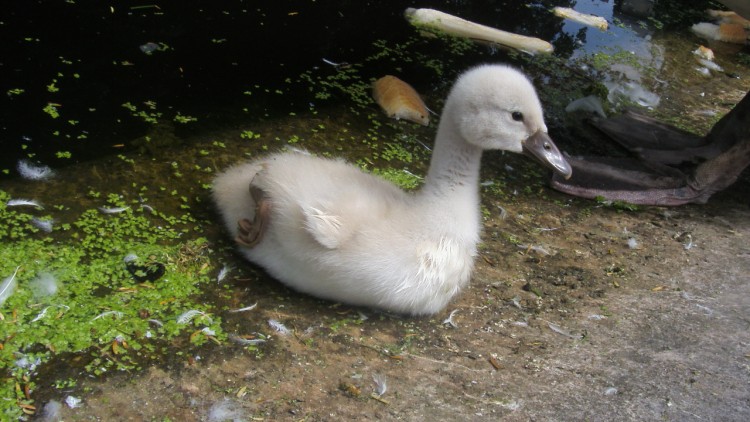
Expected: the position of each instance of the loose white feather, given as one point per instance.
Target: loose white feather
(23, 203)
(116, 314)
(450, 320)
(246, 308)
(40, 315)
(45, 284)
(188, 316)
(156, 322)
(245, 341)
(279, 327)
(556, 328)
(34, 172)
(223, 273)
(113, 210)
(8, 287)
(381, 385)
(44, 225)
(73, 402)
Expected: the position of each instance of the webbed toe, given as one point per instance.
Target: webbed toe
(250, 233)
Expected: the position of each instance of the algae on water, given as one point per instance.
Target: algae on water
(100, 310)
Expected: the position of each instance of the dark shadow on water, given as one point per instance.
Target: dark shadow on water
(86, 59)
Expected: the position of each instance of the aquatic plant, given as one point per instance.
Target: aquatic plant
(147, 116)
(76, 294)
(15, 91)
(402, 178)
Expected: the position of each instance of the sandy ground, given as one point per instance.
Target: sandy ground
(564, 320)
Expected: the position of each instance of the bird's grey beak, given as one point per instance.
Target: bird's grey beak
(541, 147)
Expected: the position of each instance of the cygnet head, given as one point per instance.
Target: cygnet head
(496, 107)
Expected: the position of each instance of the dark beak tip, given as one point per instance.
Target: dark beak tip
(566, 172)
(541, 147)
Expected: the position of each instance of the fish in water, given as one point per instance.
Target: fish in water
(399, 100)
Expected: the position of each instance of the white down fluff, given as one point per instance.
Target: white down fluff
(339, 233)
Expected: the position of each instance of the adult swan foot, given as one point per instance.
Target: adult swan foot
(326, 228)
(673, 167)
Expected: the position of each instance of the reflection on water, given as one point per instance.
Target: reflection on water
(625, 31)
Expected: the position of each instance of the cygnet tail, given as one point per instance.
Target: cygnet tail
(231, 193)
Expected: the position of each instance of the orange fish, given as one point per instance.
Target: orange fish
(399, 100)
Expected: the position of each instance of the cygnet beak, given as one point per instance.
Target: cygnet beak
(541, 147)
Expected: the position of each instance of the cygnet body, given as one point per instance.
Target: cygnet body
(326, 228)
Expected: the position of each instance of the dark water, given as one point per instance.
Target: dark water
(84, 60)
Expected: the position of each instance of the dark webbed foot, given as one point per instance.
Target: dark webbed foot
(721, 155)
(654, 141)
(251, 232)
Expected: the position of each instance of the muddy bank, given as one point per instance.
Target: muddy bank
(564, 319)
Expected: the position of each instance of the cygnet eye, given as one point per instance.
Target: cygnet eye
(517, 116)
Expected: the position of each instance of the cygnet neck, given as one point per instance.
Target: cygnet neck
(454, 167)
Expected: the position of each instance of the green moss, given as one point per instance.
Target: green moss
(113, 316)
(402, 178)
(343, 323)
(396, 151)
(513, 239)
(603, 60)
(249, 134)
(51, 110)
(15, 91)
(180, 118)
(618, 205)
(52, 87)
(152, 116)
